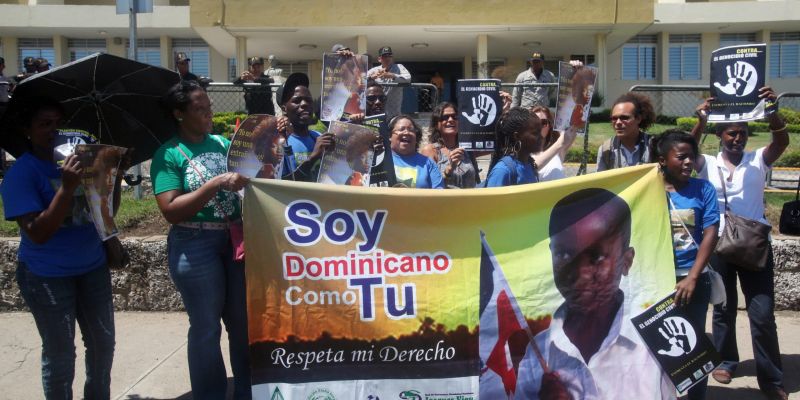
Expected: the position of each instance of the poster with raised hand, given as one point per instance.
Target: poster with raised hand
(737, 72)
(479, 108)
(683, 350)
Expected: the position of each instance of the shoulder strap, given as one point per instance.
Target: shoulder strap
(722, 183)
(672, 207)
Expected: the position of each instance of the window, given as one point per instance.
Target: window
(36, 48)
(784, 55)
(734, 39)
(79, 48)
(197, 50)
(232, 71)
(148, 51)
(684, 57)
(639, 58)
(586, 59)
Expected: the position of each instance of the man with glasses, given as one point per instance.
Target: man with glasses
(631, 115)
(390, 72)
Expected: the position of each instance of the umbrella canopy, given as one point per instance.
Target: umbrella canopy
(115, 99)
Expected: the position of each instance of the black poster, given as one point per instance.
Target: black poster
(382, 174)
(737, 72)
(479, 108)
(684, 351)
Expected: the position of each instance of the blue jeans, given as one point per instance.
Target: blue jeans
(696, 310)
(212, 287)
(759, 296)
(55, 304)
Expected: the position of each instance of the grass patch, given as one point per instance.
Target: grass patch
(774, 206)
(131, 212)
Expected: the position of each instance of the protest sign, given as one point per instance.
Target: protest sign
(479, 108)
(350, 160)
(382, 173)
(575, 91)
(682, 349)
(256, 149)
(737, 72)
(100, 164)
(358, 292)
(344, 86)
(66, 140)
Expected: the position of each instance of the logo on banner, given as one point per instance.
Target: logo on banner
(321, 394)
(680, 337)
(742, 79)
(484, 110)
(410, 395)
(276, 394)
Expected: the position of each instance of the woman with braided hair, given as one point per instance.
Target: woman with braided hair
(517, 137)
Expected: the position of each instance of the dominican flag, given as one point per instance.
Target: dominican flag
(501, 320)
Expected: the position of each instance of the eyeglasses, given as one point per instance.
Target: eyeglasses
(623, 118)
(446, 117)
(375, 97)
(400, 129)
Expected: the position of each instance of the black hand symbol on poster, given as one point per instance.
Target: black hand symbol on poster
(741, 81)
(680, 336)
(484, 111)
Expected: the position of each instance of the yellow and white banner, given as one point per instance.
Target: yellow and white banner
(358, 292)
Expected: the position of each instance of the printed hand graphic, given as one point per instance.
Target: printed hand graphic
(484, 111)
(738, 79)
(675, 333)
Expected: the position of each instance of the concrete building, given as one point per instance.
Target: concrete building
(631, 41)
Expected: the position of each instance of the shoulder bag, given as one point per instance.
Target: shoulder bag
(744, 242)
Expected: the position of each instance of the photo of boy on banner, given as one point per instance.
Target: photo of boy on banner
(579, 355)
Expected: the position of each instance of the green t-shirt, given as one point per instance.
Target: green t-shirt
(171, 171)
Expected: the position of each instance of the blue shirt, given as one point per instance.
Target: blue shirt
(29, 187)
(695, 205)
(299, 148)
(500, 175)
(417, 171)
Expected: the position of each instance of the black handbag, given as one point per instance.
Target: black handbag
(790, 215)
(744, 242)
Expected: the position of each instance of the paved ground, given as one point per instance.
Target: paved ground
(150, 360)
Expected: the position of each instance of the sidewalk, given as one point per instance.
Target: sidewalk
(150, 359)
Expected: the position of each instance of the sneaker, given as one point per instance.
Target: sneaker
(776, 394)
(722, 376)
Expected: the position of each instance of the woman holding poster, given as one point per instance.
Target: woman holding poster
(199, 199)
(517, 138)
(554, 148)
(62, 271)
(458, 167)
(740, 175)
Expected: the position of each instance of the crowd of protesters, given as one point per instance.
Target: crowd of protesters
(62, 271)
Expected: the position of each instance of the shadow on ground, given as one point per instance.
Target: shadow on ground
(791, 381)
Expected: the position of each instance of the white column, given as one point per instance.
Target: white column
(467, 67)
(60, 49)
(601, 60)
(241, 54)
(483, 56)
(11, 54)
(762, 36)
(362, 44)
(662, 60)
(165, 46)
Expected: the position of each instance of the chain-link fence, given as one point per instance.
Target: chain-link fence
(229, 97)
(674, 100)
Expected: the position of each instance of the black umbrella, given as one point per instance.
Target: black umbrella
(115, 99)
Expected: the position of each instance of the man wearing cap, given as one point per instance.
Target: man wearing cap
(30, 68)
(528, 96)
(42, 64)
(389, 72)
(257, 99)
(182, 66)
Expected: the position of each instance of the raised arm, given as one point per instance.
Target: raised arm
(778, 128)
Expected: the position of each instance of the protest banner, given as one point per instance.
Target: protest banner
(65, 141)
(344, 86)
(350, 161)
(256, 149)
(382, 172)
(682, 349)
(737, 72)
(358, 292)
(575, 91)
(479, 108)
(100, 164)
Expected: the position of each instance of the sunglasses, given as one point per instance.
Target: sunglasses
(446, 117)
(374, 98)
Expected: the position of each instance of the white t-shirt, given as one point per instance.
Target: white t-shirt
(745, 190)
(554, 169)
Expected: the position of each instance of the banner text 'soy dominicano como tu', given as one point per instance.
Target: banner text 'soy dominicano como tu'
(454, 294)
